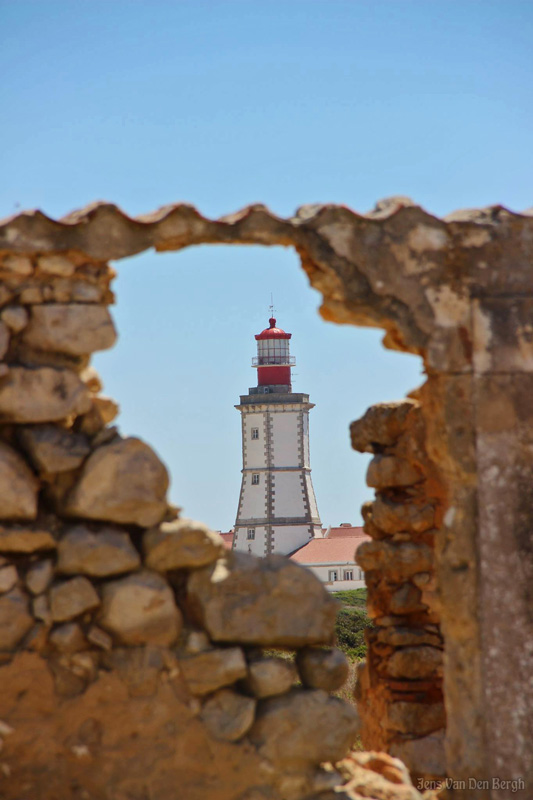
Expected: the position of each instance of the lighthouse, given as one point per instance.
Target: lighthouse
(277, 507)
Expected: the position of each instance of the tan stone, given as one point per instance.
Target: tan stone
(406, 600)
(321, 668)
(397, 561)
(404, 637)
(68, 638)
(39, 576)
(388, 471)
(41, 609)
(8, 578)
(15, 317)
(20, 265)
(56, 265)
(304, 727)
(140, 609)
(228, 715)
(124, 482)
(42, 395)
(18, 539)
(92, 379)
(381, 426)
(268, 677)
(268, 601)
(18, 486)
(99, 638)
(376, 775)
(4, 338)
(72, 598)
(396, 517)
(416, 719)
(99, 554)
(415, 662)
(181, 544)
(424, 756)
(206, 672)
(15, 619)
(72, 328)
(54, 449)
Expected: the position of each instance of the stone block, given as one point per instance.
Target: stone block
(53, 449)
(72, 598)
(15, 618)
(68, 638)
(206, 672)
(415, 663)
(73, 328)
(43, 394)
(263, 601)
(268, 677)
(56, 264)
(8, 578)
(228, 715)
(381, 426)
(19, 539)
(398, 562)
(390, 471)
(15, 317)
(39, 576)
(140, 609)
(181, 544)
(415, 719)
(4, 338)
(397, 517)
(424, 756)
(99, 554)
(123, 482)
(322, 669)
(18, 486)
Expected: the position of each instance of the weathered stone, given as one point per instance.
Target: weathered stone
(75, 329)
(39, 576)
(322, 669)
(18, 539)
(8, 578)
(381, 426)
(395, 517)
(424, 756)
(68, 638)
(92, 379)
(15, 619)
(198, 642)
(20, 265)
(41, 609)
(406, 600)
(54, 449)
(376, 775)
(416, 719)
(4, 338)
(304, 727)
(18, 486)
(181, 544)
(403, 637)
(15, 317)
(103, 411)
(72, 598)
(99, 638)
(211, 670)
(100, 554)
(140, 609)
(268, 677)
(388, 471)
(56, 265)
(124, 482)
(268, 601)
(415, 662)
(44, 394)
(228, 715)
(397, 561)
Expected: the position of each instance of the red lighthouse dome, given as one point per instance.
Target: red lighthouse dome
(273, 359)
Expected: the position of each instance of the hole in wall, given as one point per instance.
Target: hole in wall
(186, 324)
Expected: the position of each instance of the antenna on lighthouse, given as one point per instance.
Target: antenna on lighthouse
(271, 305)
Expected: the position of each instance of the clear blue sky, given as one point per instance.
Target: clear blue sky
(227, 103)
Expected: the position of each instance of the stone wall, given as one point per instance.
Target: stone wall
(457, 292)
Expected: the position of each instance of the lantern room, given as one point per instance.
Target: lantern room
(273, 360)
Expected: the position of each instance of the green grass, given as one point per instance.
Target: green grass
(352, 621)
(352, 597)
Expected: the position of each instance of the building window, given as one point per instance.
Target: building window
(251, 533)
(255, 479)
(333, 575)
(348, 574)
(255, 433)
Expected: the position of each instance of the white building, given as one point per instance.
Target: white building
(277, 507)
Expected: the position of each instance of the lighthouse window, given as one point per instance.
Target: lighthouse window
(255, 433)
(251, 533)
(255, 479)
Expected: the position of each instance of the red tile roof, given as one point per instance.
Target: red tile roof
(336, 550)
(227, 538)
(344, 530)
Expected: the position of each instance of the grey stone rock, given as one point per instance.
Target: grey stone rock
(415, 663)
(304, 728)
(263, 601)
(268, 677)
(100, 638)
(19, 539)
(41, 609)
(181, 544)
(68, 638)
(228, 715)
(72, 598)
(54, 449)
(423, 756)
(141, 609)
(44, 394)
(123, 482)
(322, 669)
(56, 264)
(4, 338)
(15, 317)
(18, 486)
(39, 576)
(99, 554)
(73, 328)
(15, 618)
(8, 578)
(20, 265)
(206, 672)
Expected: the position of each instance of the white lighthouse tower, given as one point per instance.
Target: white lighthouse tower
(277, 507)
